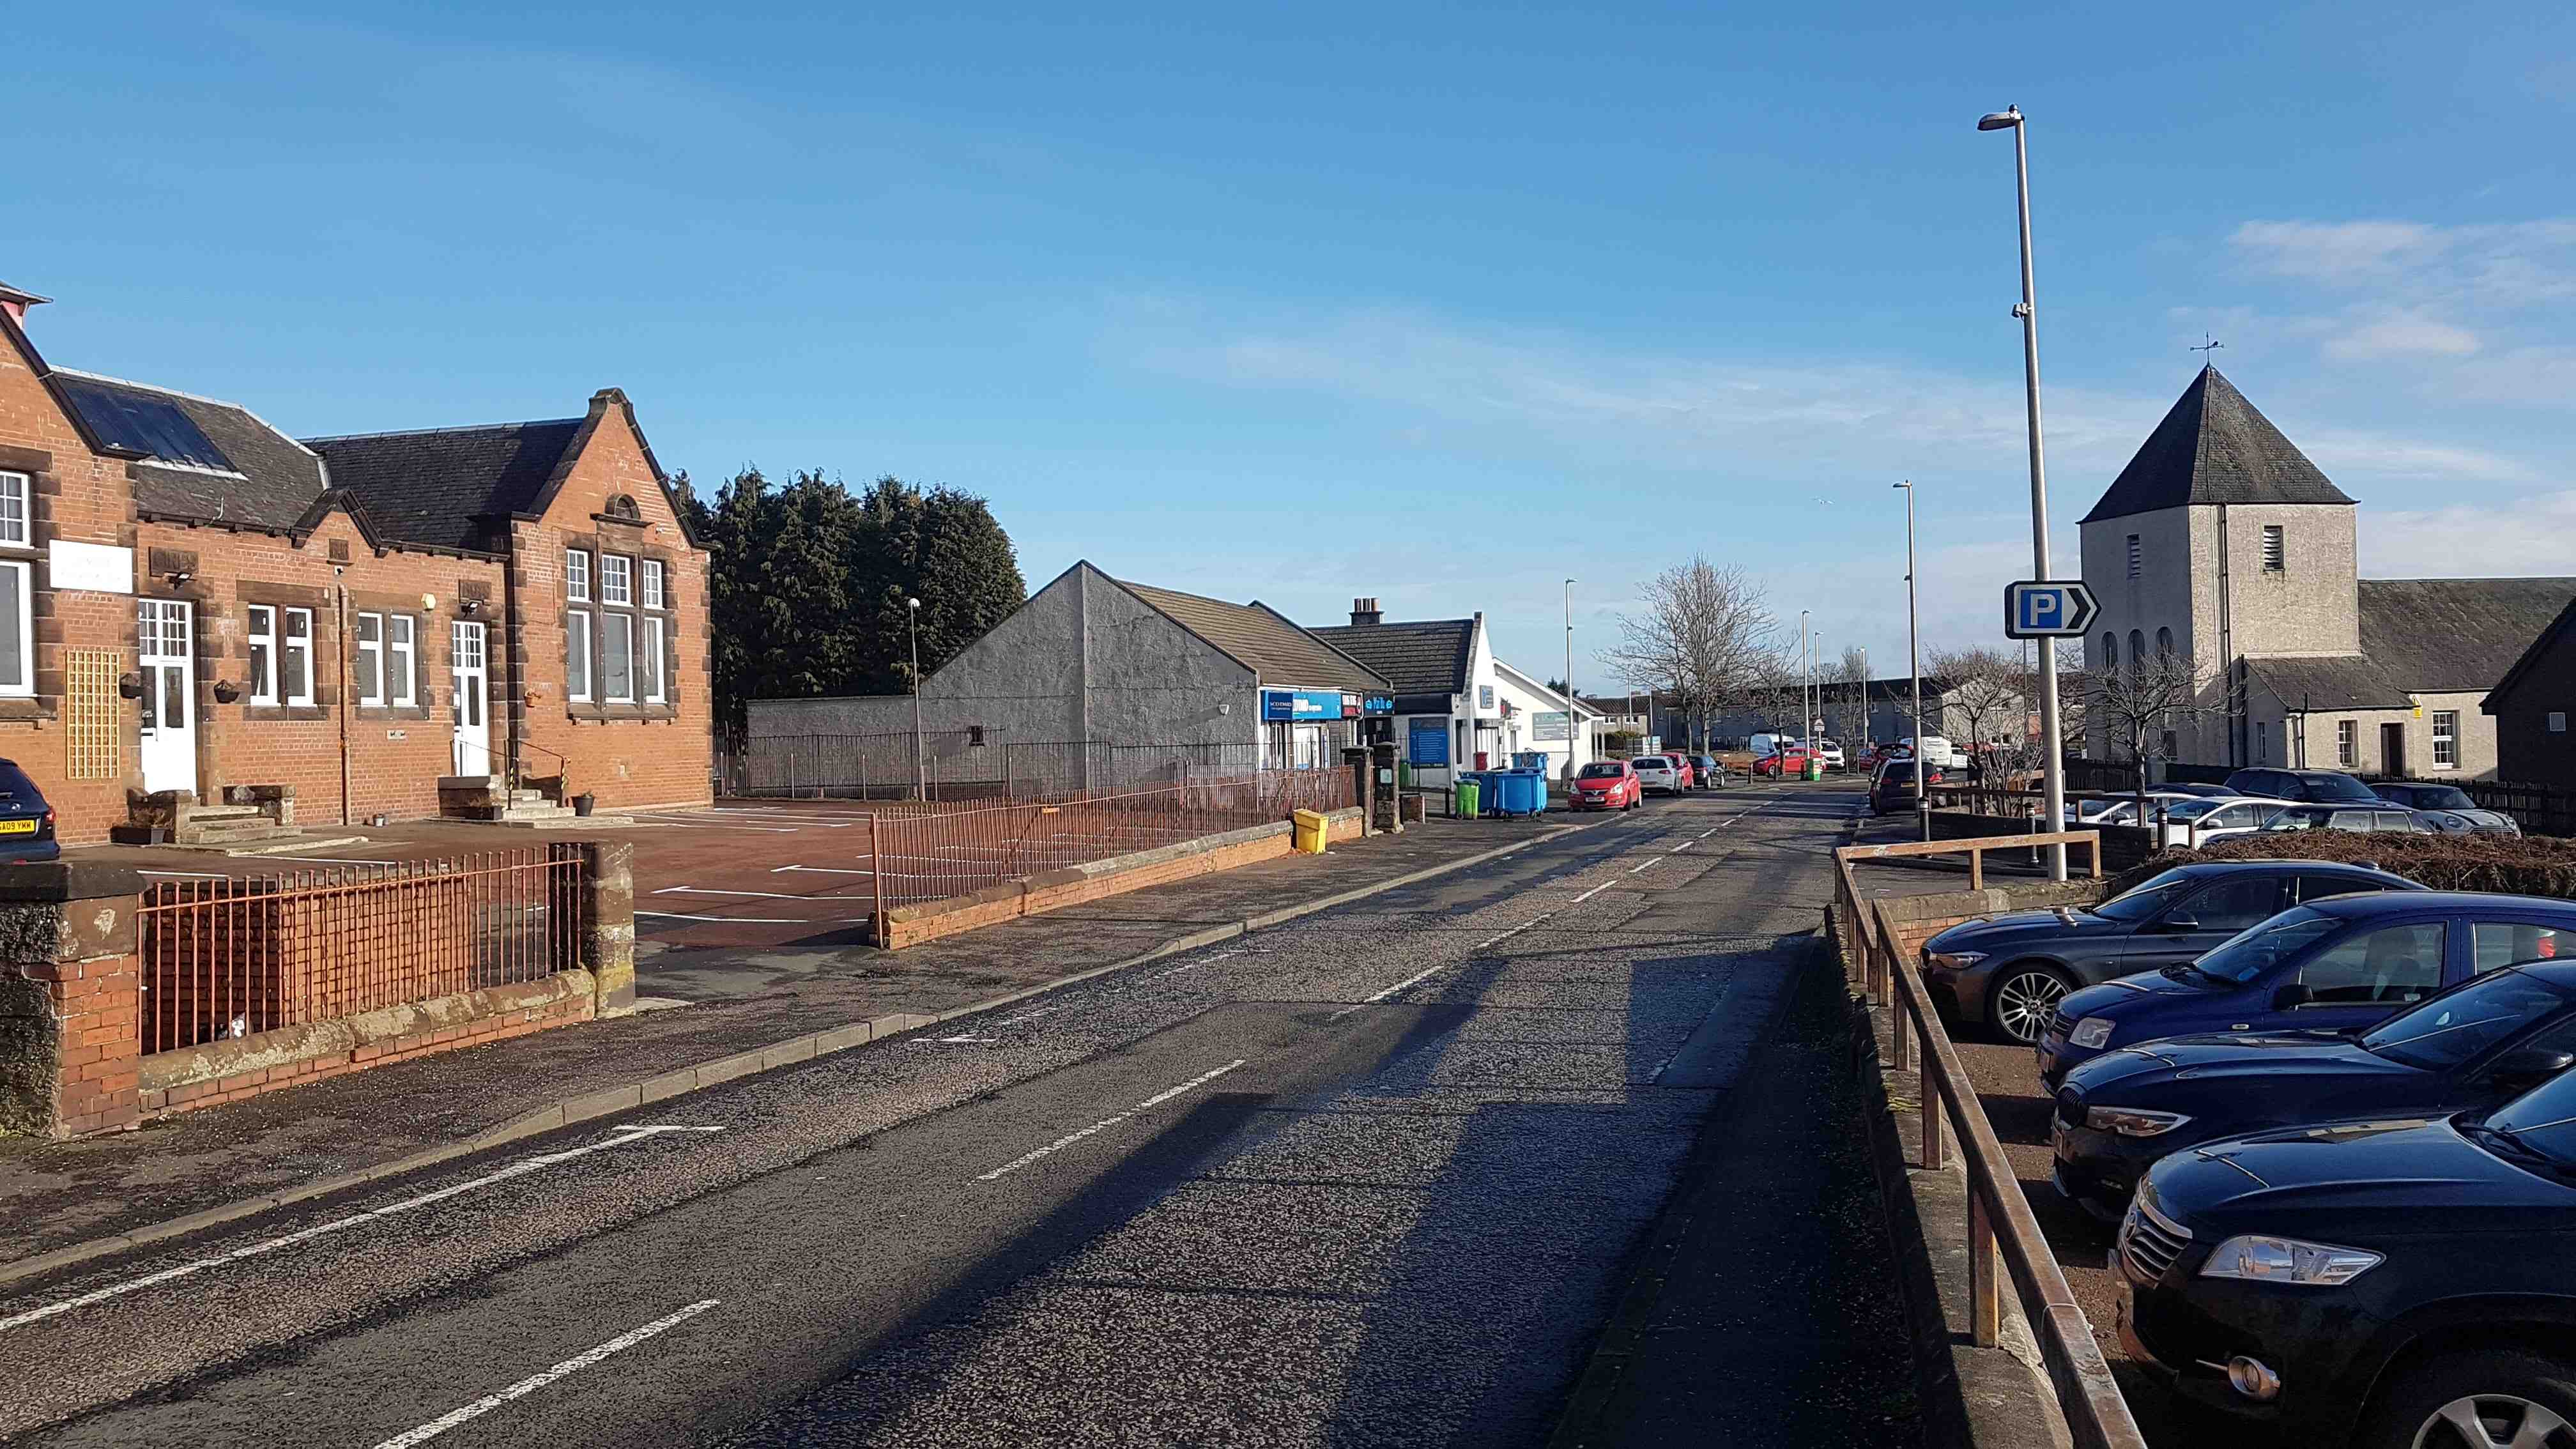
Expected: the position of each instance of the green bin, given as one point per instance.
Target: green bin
(1465, 806)
(1815, 768)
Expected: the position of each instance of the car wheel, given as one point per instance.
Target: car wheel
(2484, 1399)
(2024, 997)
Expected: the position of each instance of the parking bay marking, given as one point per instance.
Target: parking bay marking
(729, 920)
(536, 1381)
(620, 1137)
(1105, 1123)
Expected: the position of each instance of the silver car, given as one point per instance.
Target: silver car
(1657, 772)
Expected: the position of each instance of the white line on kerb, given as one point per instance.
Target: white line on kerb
(534, 1382)
(1105, 1123)
(520, 1168)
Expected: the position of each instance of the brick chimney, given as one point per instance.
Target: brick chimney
(1366, 611)
(15, 302)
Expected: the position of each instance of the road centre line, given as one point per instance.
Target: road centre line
(1032, 1015)
(1105, 1123)
(1596, 890)
(1632, 870)
(536, 1381)
(521, 1168)
(1193, 966)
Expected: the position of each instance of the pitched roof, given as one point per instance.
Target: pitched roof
(1428, 657)
(430, 485)
(1284, 655)
(2331, 682)
(196, 457)
(2449, 635)
(2214, 447)
(2539, 649)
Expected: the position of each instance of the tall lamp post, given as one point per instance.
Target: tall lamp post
(2052, 756)
(1805, 647)
(1914, 666)
(920, 761)
(1571, 710)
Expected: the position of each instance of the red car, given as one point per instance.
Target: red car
(1792, 759)
(1608, 785)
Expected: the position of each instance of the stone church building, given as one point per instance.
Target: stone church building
(2222, 541)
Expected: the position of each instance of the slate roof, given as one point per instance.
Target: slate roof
(428, 486)
(2451, 635)
(2540, 647)
(253, 475)
(1429, 657)
(2331, 682)
(1284, 655)
(2214, 447)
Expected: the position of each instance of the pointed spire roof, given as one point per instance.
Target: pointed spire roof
(2214, 447)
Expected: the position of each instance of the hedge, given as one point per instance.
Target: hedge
(2530, 865)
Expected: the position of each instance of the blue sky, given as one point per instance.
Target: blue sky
(1298, 303)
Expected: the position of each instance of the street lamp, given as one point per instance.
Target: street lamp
(2053, 778)
(1914, 666)
(1569, 679)
(920, 761)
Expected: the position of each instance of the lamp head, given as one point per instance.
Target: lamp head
(911, 603)
(2003, 120)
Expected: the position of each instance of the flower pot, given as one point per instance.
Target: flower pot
(581, 804)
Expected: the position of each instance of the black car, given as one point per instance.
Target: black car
(2487, 1039)
(1706, 770)
(1891, 790)
(2438, 801)
(26, 821)
(2316, 787)
(2011, 971)
(2399, 1284)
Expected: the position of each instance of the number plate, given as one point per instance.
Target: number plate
(17, 827)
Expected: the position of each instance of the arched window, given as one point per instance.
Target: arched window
(2137, 648)
(2164, 642)
(2110, 651)
(623, 506)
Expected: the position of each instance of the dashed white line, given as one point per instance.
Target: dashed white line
(533, 1382)
(1514, 931)
(520, 1168)
(1596, 890)
(1105, 1123)
(1193, 966)
(1632, 870)
(1031, 1015)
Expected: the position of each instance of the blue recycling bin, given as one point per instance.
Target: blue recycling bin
(1521, 792)
(1530, 760)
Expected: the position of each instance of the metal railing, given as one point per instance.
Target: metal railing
(967, 765)
(921, 854)
(2002, 1232)
(1976, 849)
(228, 958)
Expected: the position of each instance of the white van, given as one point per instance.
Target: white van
(1936, 750)
(1769, 744)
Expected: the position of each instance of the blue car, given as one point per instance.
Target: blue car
(2337, 964)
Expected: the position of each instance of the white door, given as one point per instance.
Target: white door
(163, 643)
(466, 671)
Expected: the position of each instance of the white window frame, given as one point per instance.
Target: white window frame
(19, 577)
(648, 660)
(607, 652)
(2446, 739)
(298, 647)
(577, 575)
(402, 635)
(577, 650)
(651, 589)
(261, 630)
(17, 511)
(2346, 741)
(616, 581)
(369, 659)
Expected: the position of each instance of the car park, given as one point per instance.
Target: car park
(1891, 787)
(2439, 800)
(2196, 822)
(2012, 971)
(1707, 772)
(2338, 964)
(2313, 787)
(2489, 1038)
(2215, 792)
(1607, 785)
(1937, 749)
(2119, 810)
(2387, 1284)
(1660, 772)
(26, 820)
(2358, 819)
(1831, 752)
(1789, 763)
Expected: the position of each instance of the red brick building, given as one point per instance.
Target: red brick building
(195, 607)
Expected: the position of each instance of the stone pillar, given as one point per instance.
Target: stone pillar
(608, 909)
(1355, 758)
(69, 998)
(1381, 803)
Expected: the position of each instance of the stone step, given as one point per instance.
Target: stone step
(522, 810)
(225, 812)
(529, 795)
(568, 821)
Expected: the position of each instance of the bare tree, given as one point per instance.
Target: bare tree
(1849, 679)
(2141, 704)
(1702, 638)
(1988, 693)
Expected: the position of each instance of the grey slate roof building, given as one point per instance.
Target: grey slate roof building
(2214, 447)
(198, 459)
(435, 486)
(2450, 635)
(1257, 635)
(1428, 661)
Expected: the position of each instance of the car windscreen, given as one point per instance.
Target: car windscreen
(2337, 788)
(2191, 809)
(2436, 797)
(2543, 1119)
(2140, 902)
(2258, 948)
(2457, 1025)
(1602, 772)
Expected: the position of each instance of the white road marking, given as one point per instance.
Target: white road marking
(196, 874)
(820, 870)
(960, 1040)
(330, 859)
(1105, 1123)
(763, 829)
(709, 891)
(1634, 869)
(1596, 890)
(521, 1168)
(691, 817)
(1193, 966)
(1514, 931)
(534, 1382)
(730, 920)
(1031, 1015)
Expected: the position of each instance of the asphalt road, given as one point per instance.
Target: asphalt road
(1377, 1177)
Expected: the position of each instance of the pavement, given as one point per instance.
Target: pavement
(1380, 1175)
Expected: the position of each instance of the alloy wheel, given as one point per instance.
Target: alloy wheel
(2024, 1003)
(2495, 1421)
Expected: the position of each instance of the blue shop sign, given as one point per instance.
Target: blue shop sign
(1301, 704)
(1429, 744)
(1377, 704)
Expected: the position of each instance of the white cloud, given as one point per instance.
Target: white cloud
(2362, 457)
(2525, 535)
(2400, 335)
(2487, 263)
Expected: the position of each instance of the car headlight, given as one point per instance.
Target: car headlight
(2092, 1031)
(1953, 960)
(2287, 1260)
(2131, 1122)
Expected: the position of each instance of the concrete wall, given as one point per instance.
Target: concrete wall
(2272, 737)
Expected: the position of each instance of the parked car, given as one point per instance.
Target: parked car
(2329, 965)
(2215, 792)
(1607, 785)
(2392, 1284)
(2350, 817)
(26, 820)
(2122, 810)
(1660, 772)
(1831, 752)
(1789, 763)
(2314, 787)
(2207, 818)
(2012, 971)
(2491, 1037)
(1707, 772)
(1891, 788)
(1936, 750)
(2438, 800)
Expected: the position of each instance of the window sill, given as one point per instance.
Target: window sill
(399, 712)
(24, 706)
(614, 713)
(284, 712)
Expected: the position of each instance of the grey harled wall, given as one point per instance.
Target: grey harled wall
(1042, 677)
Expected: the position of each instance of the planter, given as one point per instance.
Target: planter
(581, 804)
